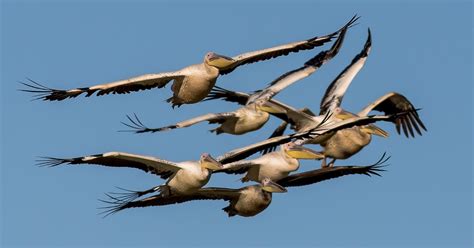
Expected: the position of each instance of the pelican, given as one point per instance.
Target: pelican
(347, 142)
(182, 178)
(247, 201)
(190, 84)
(274, 165)
(250, 200)
(255, 112)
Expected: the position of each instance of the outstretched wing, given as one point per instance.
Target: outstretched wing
(325, 130)
(392, 103)
(279, 131)
(336, 90)
(160, 200)
(309, 68)
(227, 95)
(160, 167)
(138, 127)
(319, 175)
(269, 53)
(247, 151)
(144, 82)
(237, 167)
(298, 118)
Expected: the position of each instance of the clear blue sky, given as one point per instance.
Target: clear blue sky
(422, 50)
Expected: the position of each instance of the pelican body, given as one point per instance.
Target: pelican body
(247, 119)
(251, 201)
(196, 84)
(345, 143)
(274, 165)
(190, 179)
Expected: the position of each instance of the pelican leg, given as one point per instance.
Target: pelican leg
(331, 164)
(323, 163)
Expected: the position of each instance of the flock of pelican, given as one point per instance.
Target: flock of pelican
(339, 132)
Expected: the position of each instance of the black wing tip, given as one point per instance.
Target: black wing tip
(351, 23)
(217, 93)
(50, 161)
(137, 126)
(115, 205)
(379, 166)
(42, 92)
(408, 120)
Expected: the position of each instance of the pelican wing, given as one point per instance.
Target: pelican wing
(144, 82)
(297, 119)
(269, 53)
(336, 90)
(210, 193)
(245, 152)
(237, 167)
(393, 103)
(227, 95)
(319, 175)
(238, 97)
(138, 127)
(279, 131)
(327, 129)
(160, 167)
(309, 68)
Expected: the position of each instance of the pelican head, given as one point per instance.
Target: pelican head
(269, 107)
(300, 152)
(208, 162)
(373, 129)
(269, 186)
(217, 60)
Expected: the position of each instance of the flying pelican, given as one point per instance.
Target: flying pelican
(347, 142)
(250, 200)
(190, 84)
(274, 165)
(255, 112)
(247, 201)
(182, 178)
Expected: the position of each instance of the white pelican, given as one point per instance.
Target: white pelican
(250, 200)
(347, 142)
(183, 178)
(190, 84)
(247, 201)
(274, 165)
(256, 111)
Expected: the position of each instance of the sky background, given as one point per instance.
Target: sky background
(420, 49)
